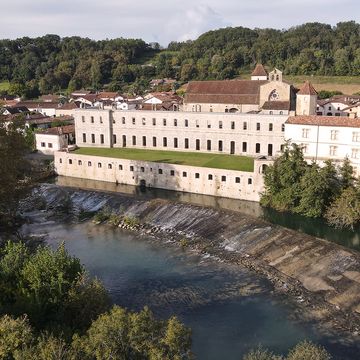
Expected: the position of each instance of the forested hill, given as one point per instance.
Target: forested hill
(51, 63)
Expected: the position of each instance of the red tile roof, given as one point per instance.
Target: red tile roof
(259, 71)
(59, 130)
(276, 105)
(307, 89)
(224, 92)
(340, 121)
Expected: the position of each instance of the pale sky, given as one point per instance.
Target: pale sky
(163, 20)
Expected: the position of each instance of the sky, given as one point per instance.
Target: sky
(163, 21)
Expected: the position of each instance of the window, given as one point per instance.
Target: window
(223, 178)
(175, 143)
(101, 121)
(101, 138)
(197, 176)
(109, 166)
(164, 141)
(271, 127)
(305, 148)
(281, 112)
(305, 133)
(220, 124)
(142, 169)
(84, 137)
(184, 174)
(92, 119)
(144, 140)
(160, 171)
(175, 122)
(70, 161)
(208, 145)
(237, 180)
(282, 127)
(270, 112)
(154, 141)
(334, 134)
(355, 153)
(43, 144)
(79, 162)
(123, 120)
(120, 167)
(164, 122)
(197, 144)
(244, 125)
(356, 136)
(333, 150)
(232, 147)
(258, 126)
(83, 119)
(197, 123)
(257, 148)
(186, 143)
(93, 138)
(220, 147)
(133, 121)
(232, 125)
(209, 124)
(50, 145)
(186, 122)
(124, 140)
(99, 165)
(244, 147)
(134, 140)
(249, 181)
(89, 163)
(131, 168)
(143, 121)
(210, 177)
(154, 121)
(60, 161)
(172, 172)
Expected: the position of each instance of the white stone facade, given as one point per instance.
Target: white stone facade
(240, 134)
(327, 142)
(200, 180)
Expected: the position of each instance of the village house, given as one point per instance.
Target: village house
(42, 107)
(338, 105)
(54, 139)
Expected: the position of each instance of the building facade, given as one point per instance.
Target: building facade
(238, 134)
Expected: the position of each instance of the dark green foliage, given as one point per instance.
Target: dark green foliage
(325, 94)
(310, 190)
(50, 63)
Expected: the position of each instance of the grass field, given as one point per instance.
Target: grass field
(218, 161)
(4, 85)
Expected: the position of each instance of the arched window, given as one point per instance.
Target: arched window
(274, 95)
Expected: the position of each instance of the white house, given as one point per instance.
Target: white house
(55, 139)
(326, 137)
(336, 105)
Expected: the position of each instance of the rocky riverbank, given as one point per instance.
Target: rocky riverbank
(323, 277)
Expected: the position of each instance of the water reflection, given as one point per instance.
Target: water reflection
(314, 227)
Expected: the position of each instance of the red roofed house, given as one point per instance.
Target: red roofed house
(326, 137)
(55, 139)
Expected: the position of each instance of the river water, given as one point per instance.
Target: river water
(229, 309)
(314, 227)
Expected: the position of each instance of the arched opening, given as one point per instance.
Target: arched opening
(263, 168)
(233, 110)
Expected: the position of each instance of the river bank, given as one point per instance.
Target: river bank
(322, 277)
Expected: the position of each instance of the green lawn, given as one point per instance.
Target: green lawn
(218, 161)
(4, 85)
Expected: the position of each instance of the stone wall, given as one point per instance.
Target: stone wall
(200, 180)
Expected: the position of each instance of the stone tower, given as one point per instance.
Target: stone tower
(306, 99)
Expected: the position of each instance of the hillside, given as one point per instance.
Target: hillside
(50, 63)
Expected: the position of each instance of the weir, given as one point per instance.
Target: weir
(324, 276)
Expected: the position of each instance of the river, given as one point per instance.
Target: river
(229, 309)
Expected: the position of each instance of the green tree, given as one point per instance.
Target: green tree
(346, 173)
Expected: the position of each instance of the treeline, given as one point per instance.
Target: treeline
(50, 63)
(313, 191)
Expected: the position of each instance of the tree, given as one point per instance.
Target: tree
(308, 351)
(345, 210)
(14, 172)
(261, 354)
(346, 172)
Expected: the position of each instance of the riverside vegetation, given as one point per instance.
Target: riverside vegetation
(313, 191)
(29, 67)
